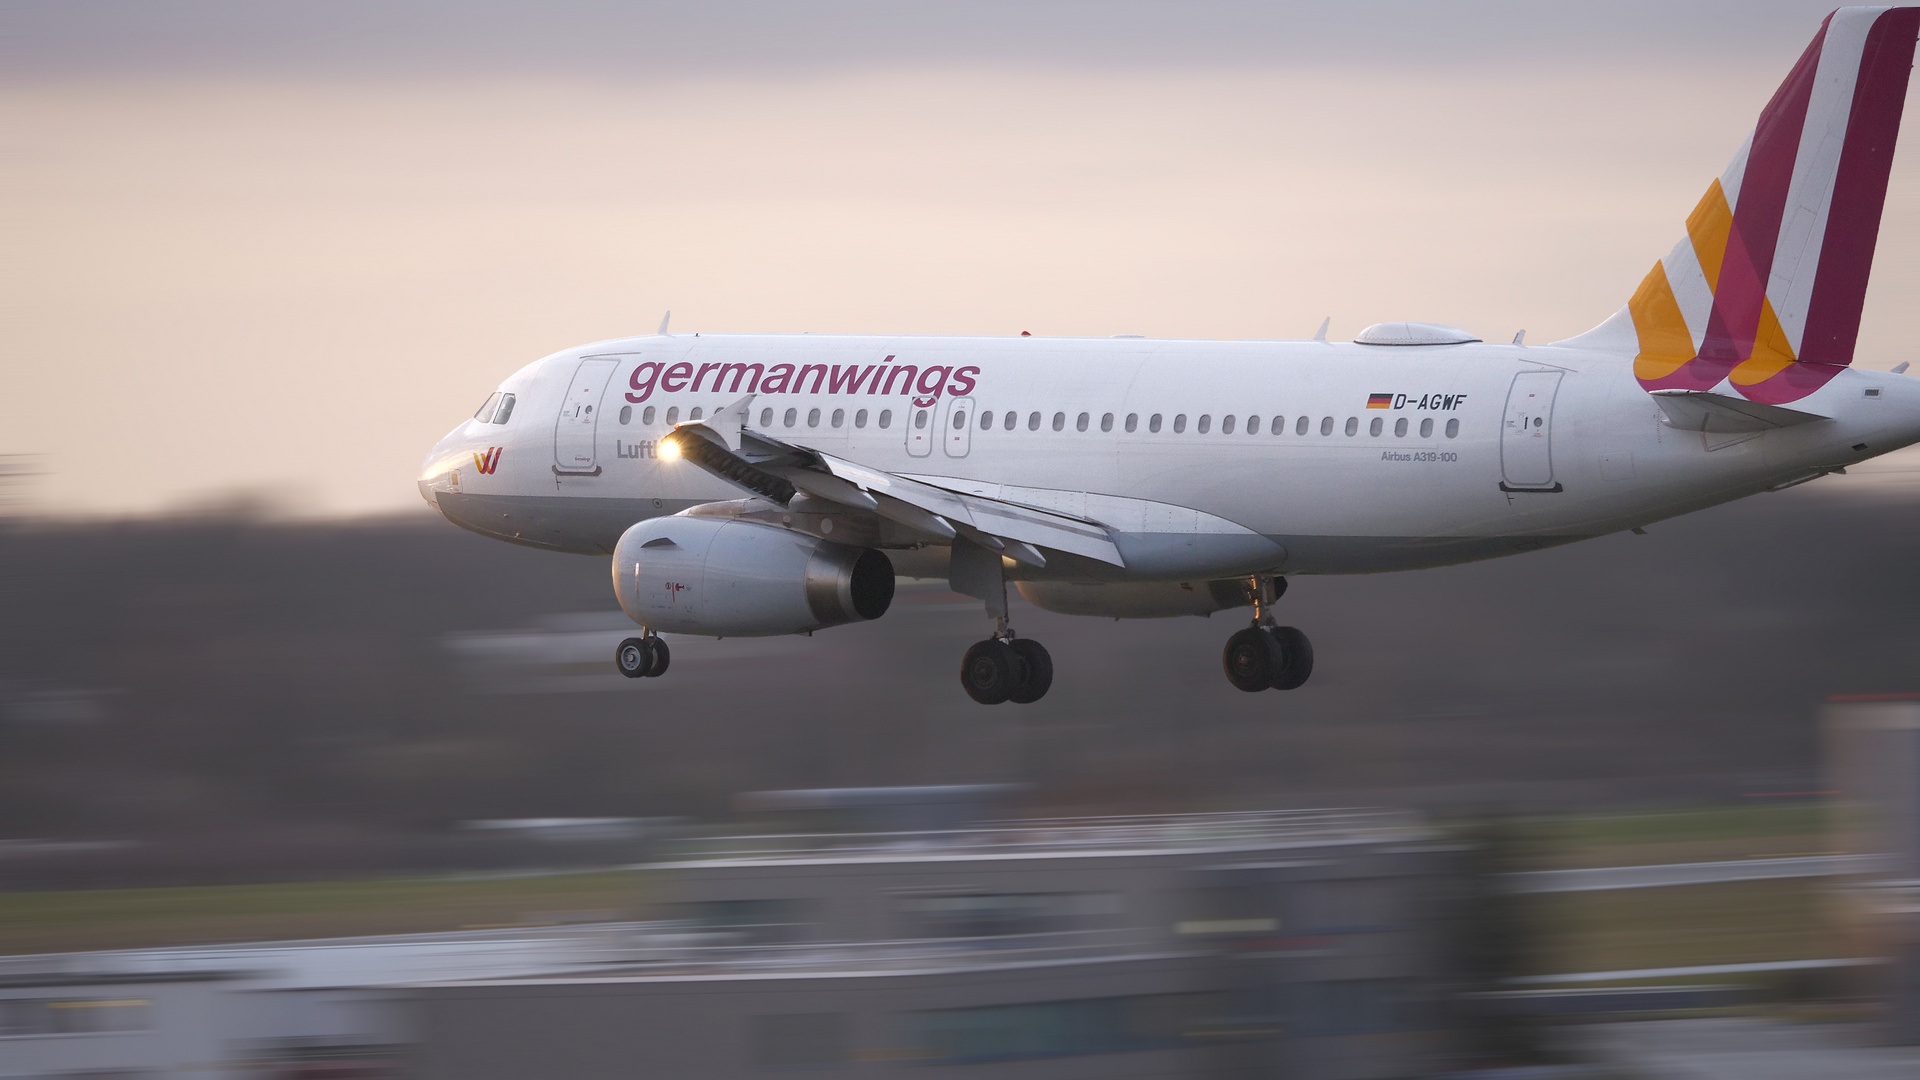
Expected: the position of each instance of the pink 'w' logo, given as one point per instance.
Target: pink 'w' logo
(489, 462)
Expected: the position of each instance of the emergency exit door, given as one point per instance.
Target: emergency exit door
(959, 427)
(1526, 433)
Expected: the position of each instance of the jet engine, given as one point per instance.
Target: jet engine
(729, 578)
(1138, 599)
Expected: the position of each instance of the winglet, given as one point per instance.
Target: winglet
(663, 325)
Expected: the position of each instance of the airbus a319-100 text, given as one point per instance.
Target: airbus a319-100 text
(775, 484)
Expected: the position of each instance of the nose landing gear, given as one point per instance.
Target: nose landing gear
(1265, 656)
(642, 657)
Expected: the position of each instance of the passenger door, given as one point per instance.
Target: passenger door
(574, 432)
(1526, 433)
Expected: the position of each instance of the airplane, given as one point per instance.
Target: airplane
(748, 484)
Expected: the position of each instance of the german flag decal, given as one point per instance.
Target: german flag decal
(1379, 401)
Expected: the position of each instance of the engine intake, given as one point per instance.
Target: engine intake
(725, 578)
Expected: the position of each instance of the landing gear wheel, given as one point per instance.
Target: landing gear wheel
(1297, 652)
(662, 655)
(1039, 671)
(635, 658)
(990, 671)
(1253, 660)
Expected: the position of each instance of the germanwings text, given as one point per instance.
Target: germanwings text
(926, 384)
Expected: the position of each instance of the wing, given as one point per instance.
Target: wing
(783, 471)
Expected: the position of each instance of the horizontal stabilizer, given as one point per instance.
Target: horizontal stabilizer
(1701, 410)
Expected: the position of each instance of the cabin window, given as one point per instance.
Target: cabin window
(1012, 419)
(1179, 423)
(1326, 425)
(1373, 429)
(1080, 422)
(1426, 428)
(1205, 423)
(1033, 421)
(1353, 426)
(786, 419)
(886, 418)
(986, 420)
(920, 419)
(646, 415)
(626, 415)
(1453, 428)
(766, 417)
(839, 417)
(1300, 427)
(1133, 421)
(1253, 425)
(1226, 424)
(1106, 421)
(1153, 422)
(1400, 428)
(673, 416)
(1059, 421)
(813, 417)
(506, 408)
(860, 419)
(695, 414)
(959, 419)
(485, 413)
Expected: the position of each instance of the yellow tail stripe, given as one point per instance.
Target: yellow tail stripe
(1772, 352)
(1665, 343)
(1708, 227)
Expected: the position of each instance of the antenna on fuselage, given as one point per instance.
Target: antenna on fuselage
(1520, 338)
(663, 324)
(1320, 335)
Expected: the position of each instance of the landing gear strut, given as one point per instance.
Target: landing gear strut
(642, 657)
(1003, 667)
(1266, 656)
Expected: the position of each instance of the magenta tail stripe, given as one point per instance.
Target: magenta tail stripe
(1860, 189)
(1762, 201)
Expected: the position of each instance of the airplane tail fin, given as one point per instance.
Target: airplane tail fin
(1764, 292)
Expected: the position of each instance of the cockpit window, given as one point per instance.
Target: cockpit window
(485, 415)
(506, 409)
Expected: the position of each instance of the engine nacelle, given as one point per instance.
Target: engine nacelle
(725, 578)
(1138, 599)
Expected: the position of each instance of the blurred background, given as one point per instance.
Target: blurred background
(252, 690)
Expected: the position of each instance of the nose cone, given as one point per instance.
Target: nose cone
(440, 472)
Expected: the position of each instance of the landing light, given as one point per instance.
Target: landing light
(669, 449)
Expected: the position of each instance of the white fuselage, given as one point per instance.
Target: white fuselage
(1217, 457)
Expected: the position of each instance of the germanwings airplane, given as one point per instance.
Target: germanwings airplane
(775, 484)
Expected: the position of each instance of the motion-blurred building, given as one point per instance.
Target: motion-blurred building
(1300, 944)
(1873, 759)
(1295, 944)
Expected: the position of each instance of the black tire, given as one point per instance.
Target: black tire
(1252, 660)
(634, 658)
(1298, 654)
(990, 671)
(1039, 671)
(661, 657)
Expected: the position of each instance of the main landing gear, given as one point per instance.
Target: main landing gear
(1265, 656)
(1006, 669)
(1003, 667)
(642, 657)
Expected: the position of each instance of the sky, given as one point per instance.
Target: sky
(276, 251)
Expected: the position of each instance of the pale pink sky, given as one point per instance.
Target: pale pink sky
(229, 279)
